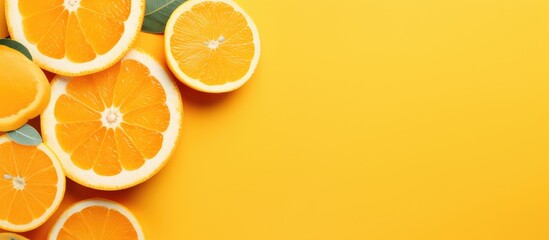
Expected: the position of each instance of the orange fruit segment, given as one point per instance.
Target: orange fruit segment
(75, 37)
(11, 236)
(212, 45)
(32, 184)
(24, 92)
(116, 128)
(96, 219)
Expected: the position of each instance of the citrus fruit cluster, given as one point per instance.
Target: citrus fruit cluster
(111, 117)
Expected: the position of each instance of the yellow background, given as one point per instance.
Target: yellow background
(366, 119)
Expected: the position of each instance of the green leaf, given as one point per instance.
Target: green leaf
(25, 135)
(17, 46)
(157, 14)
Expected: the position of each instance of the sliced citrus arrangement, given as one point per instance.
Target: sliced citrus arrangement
(11, 236)
(116, 128)
(3, 27)
(212, 45)
(96, 219)
(32, 185)
(24, 91)
(75, 37)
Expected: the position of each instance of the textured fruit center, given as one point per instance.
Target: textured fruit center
(214, 44)
(72, 5)
(17, 182)
(112, 117)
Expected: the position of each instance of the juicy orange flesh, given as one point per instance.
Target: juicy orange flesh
(40, 183)
(81, 113)
(92, 29)
(97, 222)
(213, 43)
(18, 85)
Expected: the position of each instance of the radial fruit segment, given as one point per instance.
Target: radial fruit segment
(75, 37)
(97, 219)
(32, 185)
(116, 128)
(212, 45)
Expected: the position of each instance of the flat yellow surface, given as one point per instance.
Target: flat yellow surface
(366, 119)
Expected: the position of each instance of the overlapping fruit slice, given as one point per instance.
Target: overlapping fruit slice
(116, 128)
(95, 219)
(32, 184)
(212, 45)
(75, 37)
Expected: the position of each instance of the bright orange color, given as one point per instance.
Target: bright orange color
(212, 42)
(114, 225)
(31, 185)
(114, 122)
(3, 27)
(24, 90)
(79, 35)
(141, 100)
(86, 35)
(97, 219)
(11, 236)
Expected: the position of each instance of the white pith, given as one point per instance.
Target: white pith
(65, 66)
(79, 206)
(212, 44)
(37, 221)
(126, 178)
(71, 5)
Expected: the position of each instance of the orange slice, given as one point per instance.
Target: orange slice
(11, 236)
(212, 45)
(24, 91)
(75, 37)
(32, 185)
(116, 128)
(96, 219)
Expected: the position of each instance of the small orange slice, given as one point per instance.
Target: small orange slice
(32, 185)
(75, 37)
(95, 219)
(24, 89)
(116, 128)
(11, 236)
(212, 45)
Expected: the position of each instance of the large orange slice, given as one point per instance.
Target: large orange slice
(212, 45)
(24, 89)
(96, 219)
(32, 185)
(75, 37)
(116, 128)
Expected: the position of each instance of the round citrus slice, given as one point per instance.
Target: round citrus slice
(11, 236)
(116, 128)
(96, 219)
(212, 45)
(32, 185)
(75, 37)
(24, 91)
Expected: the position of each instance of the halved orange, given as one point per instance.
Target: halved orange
(32, 185)
(75, 37)
(95, 219)
(24, 89)
(116, 128)
(212, 45)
